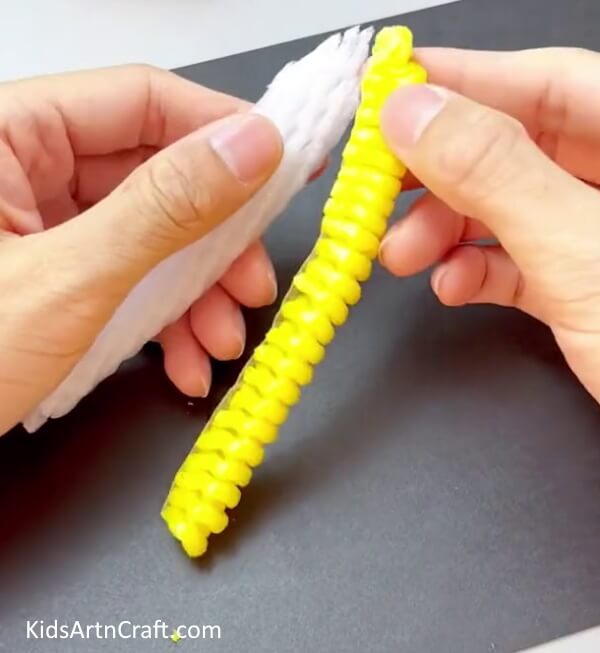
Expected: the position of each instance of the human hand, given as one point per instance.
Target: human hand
(508, 146)
(103, 175)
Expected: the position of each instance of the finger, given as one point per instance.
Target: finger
(481, 275)
(60, 208)
(251, 278)
(218, 324)
(108, 110)
(97, 176)
(80, 271)
(186, 363)
(173, 199)
(18, 206)
(429, 230)
(554, 92)
(548, 90)
(482, 163)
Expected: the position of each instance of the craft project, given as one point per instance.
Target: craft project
(355, 219)
(311, 102)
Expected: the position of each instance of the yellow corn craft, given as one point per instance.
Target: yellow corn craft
(355, 219)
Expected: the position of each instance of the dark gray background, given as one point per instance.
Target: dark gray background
(438, 489)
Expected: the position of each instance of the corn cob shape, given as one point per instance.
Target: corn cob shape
(355, 219)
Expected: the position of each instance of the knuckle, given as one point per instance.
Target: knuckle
(183, 204)
(571, 55)
(552, 54)
(482, 158)
(143, 70)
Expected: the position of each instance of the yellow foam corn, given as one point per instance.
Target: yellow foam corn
(354, 221)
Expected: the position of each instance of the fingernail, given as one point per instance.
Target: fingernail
(387, 245)
(384, 245)
(437, 278)
(240, 334)
(248, 144)
(205, 381)
(273, 282)
(240, 349)
(408, 112)
(205, 391)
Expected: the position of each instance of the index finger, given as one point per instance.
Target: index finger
(108, 110)
(554, 90)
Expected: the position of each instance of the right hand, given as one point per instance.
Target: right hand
(508, 146)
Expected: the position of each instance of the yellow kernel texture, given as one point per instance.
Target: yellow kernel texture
(355, 218)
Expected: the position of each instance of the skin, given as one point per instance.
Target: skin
(508, 146)
(107, 173)
(104, 174)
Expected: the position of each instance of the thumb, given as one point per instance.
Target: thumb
(484, 165)
(174, 198)
(62, 285)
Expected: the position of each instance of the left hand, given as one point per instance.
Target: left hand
(71, 142)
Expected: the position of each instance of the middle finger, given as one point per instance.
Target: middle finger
(427, 233)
